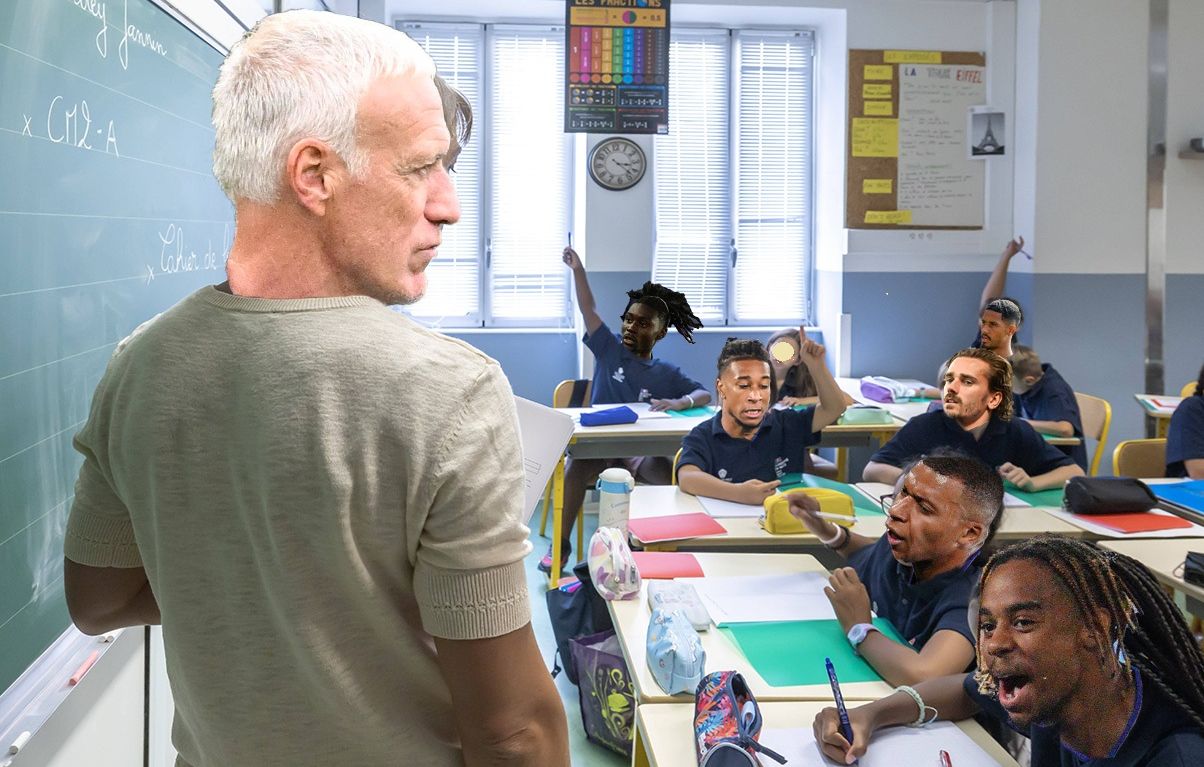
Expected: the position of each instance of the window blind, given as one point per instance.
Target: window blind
(529, 189)
(693, 174)
(771, 277)
(453, 294)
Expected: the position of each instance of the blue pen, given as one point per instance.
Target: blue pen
(846, 729)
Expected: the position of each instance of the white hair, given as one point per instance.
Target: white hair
(299, 74)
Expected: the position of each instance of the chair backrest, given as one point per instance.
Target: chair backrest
(1188, 389)
(1140, 458)
(1097, 419)
(676, 458)
(572, 393)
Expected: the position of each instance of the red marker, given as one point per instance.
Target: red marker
(945, 760)
(83, 669)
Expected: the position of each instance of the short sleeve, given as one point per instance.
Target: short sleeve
(1063, 407)
(684, 383)
(606, 348)
(907, 443)
(696, 448)
(468, 575)
(99, 530)
(955, 617)
(1036, 456)
(803, 423)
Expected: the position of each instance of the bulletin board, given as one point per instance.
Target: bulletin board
(907, 160)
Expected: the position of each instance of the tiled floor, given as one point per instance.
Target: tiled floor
(584, 753)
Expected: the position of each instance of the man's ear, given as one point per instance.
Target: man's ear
(311, 171)
(972, 532)
(994, 400)
(1090, 637)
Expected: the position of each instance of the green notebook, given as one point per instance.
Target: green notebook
(692, 412)
(862, 505)
(1052, 497)
(789, 653)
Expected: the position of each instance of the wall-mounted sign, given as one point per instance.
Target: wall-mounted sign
(617, 67)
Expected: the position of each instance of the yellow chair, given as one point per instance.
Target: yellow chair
(1188, 389)
(676, 458)
(568, 393)
(1140, 458)
(1096, 414)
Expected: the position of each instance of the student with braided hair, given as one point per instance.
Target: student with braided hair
(1080, 649)
(626, 371)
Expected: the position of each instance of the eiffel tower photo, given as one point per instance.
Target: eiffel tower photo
(988, 145)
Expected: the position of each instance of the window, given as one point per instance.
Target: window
(733, 178)
(500, 265)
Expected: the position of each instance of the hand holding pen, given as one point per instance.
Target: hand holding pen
(834, 744)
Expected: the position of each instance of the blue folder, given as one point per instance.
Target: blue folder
(620, 414)
(1188, 495)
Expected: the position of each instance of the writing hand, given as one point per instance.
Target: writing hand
(832, 742)
(755, 491)
(1017, 476)
(571, 259)
(849, 598)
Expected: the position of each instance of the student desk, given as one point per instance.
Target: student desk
(665, 733)
(631, 625)
(1161, 416)
(745, 533)
(1163, 556)
(663, 436)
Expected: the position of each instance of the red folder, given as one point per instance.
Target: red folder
(1138, 522)
(674, 527)
(666, 564)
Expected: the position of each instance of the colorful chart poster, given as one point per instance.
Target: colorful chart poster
(617, 67)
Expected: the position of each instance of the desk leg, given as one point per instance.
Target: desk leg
(1161, 427)
(557, 522)
(842, 464)
(639, 752)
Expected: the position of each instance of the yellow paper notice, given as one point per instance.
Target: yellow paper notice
(875, 90)
(879, 72)
(878, 109)
(875, 137)
(876, 185)
(888, 217)
(911, 57)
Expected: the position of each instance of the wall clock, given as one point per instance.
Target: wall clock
(617, 163)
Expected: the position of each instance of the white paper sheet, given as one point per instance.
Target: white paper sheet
(1011, 500)
(889, 747)
(720, 508)
(643, 410)
(1195, 531)
(544, 433)
(754, 598)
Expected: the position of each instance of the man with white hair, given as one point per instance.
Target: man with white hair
(319, 499)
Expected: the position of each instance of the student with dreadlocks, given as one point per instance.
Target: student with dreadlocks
(626, 371)
(743, 451)
(1080, 649)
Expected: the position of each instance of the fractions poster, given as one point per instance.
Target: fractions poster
(907, 163)
(618, 66)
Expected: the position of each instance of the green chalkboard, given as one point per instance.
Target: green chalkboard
(109, 214)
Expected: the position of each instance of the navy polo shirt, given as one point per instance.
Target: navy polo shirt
(620, 376)
(779, 447)
(1158, 734)
(1185, 438)
(917, 609)
(1052, 399)
(1011, 441)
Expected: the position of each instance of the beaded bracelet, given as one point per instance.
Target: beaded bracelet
(839, 532)
(923, 719)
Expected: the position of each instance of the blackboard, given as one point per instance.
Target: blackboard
(109, 214)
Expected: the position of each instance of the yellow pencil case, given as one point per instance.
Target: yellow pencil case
(778, 520)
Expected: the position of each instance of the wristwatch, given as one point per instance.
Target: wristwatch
(858, 633)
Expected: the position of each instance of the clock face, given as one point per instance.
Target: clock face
(617, 163)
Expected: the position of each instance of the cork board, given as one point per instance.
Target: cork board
(914, 157)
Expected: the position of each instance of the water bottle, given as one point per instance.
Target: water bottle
(614, 498)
